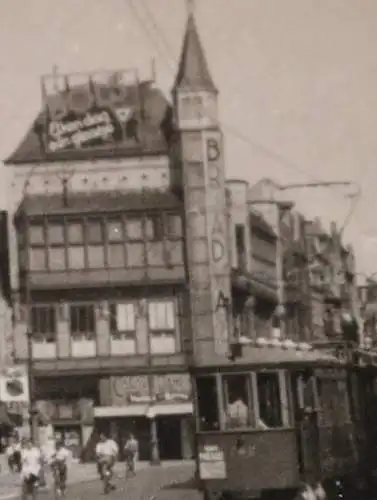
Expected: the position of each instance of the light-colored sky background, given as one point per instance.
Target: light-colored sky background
(298, 77)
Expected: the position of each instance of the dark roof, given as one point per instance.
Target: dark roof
(154, 124)
(193, 72)
(258, 222)
(100, 202)
(273, 356)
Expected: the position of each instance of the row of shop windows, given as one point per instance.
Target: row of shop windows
(122, 319)
(261, 400)
(96, 243)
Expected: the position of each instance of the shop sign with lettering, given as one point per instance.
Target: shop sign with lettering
(217, 222)
(92, 114)
(139, 389)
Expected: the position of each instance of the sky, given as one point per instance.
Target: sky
(297, 82)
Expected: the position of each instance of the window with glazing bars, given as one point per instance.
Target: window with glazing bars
(97, 242)
(122, 320)
(82, 321)
(43, 323)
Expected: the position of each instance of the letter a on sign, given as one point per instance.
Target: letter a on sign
(222, 302)
(213, 149)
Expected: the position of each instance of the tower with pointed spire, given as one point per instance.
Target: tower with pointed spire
(201, 157)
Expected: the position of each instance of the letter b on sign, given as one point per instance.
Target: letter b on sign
(213, 149)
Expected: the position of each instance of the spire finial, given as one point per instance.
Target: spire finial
(190, 7)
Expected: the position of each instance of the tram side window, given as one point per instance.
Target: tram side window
(237, 401)
(270, 404)
(208, 405)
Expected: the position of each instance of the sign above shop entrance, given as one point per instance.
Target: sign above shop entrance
(140, 389)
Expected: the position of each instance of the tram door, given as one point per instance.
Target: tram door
(304, 395)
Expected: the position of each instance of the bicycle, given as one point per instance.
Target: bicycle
(59, 473)
(106, 474)
(30, 487)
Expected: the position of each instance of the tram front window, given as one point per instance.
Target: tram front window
(207, 401)
(270, 405)
(236, 401)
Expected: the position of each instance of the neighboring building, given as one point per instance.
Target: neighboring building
(296, 278)
(317, 243)
(254, 269)
(367, 299)
(334, 293)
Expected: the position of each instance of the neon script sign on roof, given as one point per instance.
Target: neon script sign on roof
(94, 111)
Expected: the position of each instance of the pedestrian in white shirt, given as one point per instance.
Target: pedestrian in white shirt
(31, 459)
(106, 453)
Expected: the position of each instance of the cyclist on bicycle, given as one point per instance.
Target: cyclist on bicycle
(58, 464)
(31, 461)
(106, 454)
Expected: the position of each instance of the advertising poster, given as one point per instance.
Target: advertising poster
(89, 111)
(14, 384)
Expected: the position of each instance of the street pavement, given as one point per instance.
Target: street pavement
(169, 481)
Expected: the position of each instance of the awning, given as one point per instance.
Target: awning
(120, 411)
(149, 411)
(170, 409)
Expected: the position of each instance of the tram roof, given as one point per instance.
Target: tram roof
(268, 357)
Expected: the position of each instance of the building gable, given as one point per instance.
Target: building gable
(138, 123)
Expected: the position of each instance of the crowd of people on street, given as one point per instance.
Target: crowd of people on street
(31, 461)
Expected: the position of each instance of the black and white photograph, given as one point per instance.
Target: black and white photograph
(188, 250)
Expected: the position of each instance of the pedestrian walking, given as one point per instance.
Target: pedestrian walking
(131, 451)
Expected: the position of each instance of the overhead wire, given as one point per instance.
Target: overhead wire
(255, 145)
(233, 130)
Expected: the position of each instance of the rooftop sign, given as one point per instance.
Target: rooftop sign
(89, 110)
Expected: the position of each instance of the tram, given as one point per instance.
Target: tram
(284, 420)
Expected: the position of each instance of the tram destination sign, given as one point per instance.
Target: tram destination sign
(212, 462)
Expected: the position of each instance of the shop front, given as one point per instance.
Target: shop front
(148, 405)
(71, 421)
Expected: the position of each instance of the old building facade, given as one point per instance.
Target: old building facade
(97, 263)
(132, 257)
